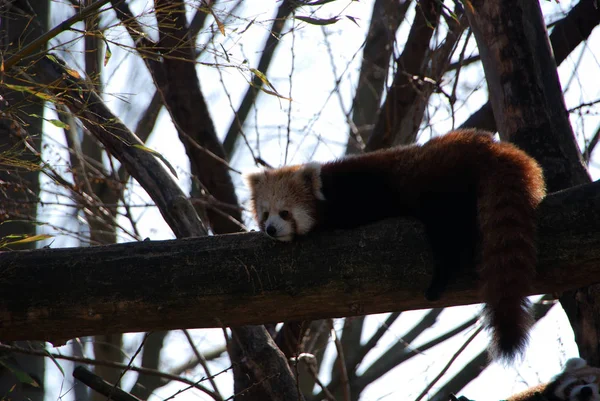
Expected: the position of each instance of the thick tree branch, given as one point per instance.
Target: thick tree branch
(249, 279)
(406, 86)
(566, 35)
(378, 47)
(185, 102)
(121, 143)
(520, 72)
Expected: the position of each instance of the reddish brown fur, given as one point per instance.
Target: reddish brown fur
(578, 382)
(469, 191)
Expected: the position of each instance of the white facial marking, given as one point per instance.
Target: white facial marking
(577, 390)
(304, 222)
(283, 228)
(317, 189)
(560, 389)
(589, 379)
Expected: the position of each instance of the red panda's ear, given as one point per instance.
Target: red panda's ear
(310, 174)
(575, 363)
(254, 179)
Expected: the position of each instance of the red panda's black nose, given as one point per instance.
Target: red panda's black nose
(585, 394)
(271, 231)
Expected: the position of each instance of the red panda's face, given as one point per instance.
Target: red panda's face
(578, 382)
(285, 200)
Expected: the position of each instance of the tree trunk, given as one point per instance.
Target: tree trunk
(21, 22)
(529, 110)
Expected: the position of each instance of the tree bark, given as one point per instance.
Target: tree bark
(123, 144)
(379, 46)
(234, 280)
(180, 88)
(120, 142)
(20, 23)
(566, 35)
(525, 92)
(406, 84)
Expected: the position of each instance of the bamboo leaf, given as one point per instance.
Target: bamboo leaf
(107, 53)
(59, 124)
(276, 94)
(318, 21)
(218, 21)
(29, 89)
(263, 78)
(21, 375)
(23, 239)
(351, 18)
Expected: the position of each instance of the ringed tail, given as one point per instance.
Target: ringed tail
(507, 219)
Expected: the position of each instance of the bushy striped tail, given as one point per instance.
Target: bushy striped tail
(511, 188)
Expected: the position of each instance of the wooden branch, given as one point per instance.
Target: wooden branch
(378, 48)
(120, 142)
(405, 88)
(95, 382)
(177, 82)
(41, 41)
(284, 10)
(239, 279)
(525, 92)
(566, 35)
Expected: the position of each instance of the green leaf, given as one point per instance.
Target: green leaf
(264, 79)
(59, 124)
(56, 123)
(24, 239)
(275, 94)
(52, 58)
(158, 155)
(107, 53)
(21, 376)
(33, 91)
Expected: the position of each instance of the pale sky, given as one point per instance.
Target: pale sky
(319, 132)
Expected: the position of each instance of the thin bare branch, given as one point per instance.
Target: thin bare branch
(283, 12)
(89, 361)
(29, 49)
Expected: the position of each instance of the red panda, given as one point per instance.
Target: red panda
(476, 198)
(577, 382)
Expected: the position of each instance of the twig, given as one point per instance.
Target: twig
(63, 26)
(311, 363)
(100, 385)
(130, 364)
(450, 362)
(201, 360)
(587, 154)
(116, 365)
(342, 363)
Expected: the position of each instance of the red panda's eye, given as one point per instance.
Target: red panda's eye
(265, 215)
(284, 214)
